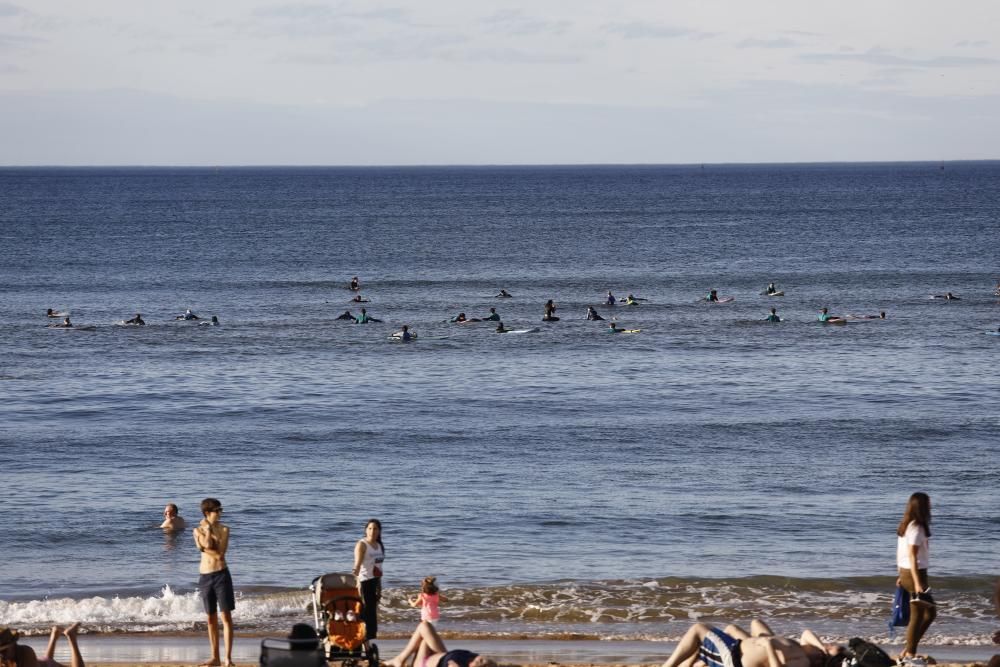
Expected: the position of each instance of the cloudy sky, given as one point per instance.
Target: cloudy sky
(495, 82)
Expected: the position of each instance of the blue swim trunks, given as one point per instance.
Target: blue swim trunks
(216, 590)
(720, 650)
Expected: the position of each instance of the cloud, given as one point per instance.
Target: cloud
(881, 57)
(10, 42)
(517, 57)
(7, 9)
(972, 44)
(778, 43)
(514, 22)
(642, 30)
(317, 12)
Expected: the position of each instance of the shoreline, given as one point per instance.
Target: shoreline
(191, 648)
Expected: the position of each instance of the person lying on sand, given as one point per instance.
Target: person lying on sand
(733, 647)
(427, 650)
(24, 656)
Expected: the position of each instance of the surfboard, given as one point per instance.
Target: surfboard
(520, 331)
(776, 294)
(724, 299)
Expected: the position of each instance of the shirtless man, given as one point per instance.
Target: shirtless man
(733, 647)
(172, 521)
(215, 583)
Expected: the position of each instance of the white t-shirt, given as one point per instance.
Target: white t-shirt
(915, 535)
(371, 562)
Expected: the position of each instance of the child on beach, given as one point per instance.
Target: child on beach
(428, 601)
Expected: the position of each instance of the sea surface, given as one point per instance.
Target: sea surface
(561, 483)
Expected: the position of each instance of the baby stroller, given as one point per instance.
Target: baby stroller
(337, 607)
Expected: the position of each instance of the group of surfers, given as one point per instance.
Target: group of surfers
(135, 321)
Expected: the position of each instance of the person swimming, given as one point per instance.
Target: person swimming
(364, 318)
(825, 316)
(713, 296)
(593, 314)
(359, 299)
(65, 324)
(773, 317)
(948, 296)
(504, 294)
(613, 328)
(188, 315)
(137, 320)
(355, 284)
(52, 313)
(346, 315)
(458, 319)
(493, 316)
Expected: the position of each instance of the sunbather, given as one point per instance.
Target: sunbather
(733, 647)
(426, 647)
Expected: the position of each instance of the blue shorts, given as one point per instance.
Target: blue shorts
(720, 650)
(216, 590)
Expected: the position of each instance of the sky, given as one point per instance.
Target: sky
(382, 82)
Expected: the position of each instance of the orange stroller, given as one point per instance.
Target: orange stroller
(337, 609)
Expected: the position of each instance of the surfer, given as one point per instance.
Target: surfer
(459, 319)
(52, 313)
(713, 296)
(773, 317)
(493, 316)
(405, 334)
(610, 300)
(188, 315)
(355, 284)
(593, 314)
(613, 328)
(359, 299)
(213, 323)
(550, 312)
(137, 320)
(771, 289)
(364, 318)
(65, 324)
(880, 316)
(504, 294)
(826, 318)
(501, 328)
(947, 296)
(346, 315)
(631, 300)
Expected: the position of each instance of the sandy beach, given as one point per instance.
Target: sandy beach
(119, 650)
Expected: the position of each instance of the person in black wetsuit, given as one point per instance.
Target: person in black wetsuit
(428, 649)
(593, 314)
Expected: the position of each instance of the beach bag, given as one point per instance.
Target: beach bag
(900, 611)
(867, 654)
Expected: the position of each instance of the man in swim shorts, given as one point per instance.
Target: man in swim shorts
(713, 647)
(215, 583)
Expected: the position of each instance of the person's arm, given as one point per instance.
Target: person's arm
(359, 556)
(914, 570)
(772, 655)
(417, 601)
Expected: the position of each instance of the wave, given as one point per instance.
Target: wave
(613, 609)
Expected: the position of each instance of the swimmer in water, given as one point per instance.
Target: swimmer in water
(364, 318)
(359, 299)
(355, 284)
(504, 295)
(947, 296)
(773, 317)
(52, 313)
(493, 316)
(825, 317)
(593, 314)
(188, 315)
(458, 319)
(65, 324)
(613, 328)
(346, 315)
(405, 334)
(610, 300)
(713, 296)
(630, 300)
(880, 316)
(137, 320)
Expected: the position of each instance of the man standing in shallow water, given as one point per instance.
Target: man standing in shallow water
(215, 582)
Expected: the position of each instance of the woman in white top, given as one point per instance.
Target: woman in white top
(912, 551)
(368, 556)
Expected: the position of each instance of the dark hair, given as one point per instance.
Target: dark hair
(429, 586)
(173, 507)
(379, 524)
(918, 510)
(210, 505)
(301, 635)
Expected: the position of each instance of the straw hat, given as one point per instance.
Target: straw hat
(8, 636)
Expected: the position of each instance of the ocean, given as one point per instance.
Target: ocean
(559, 483)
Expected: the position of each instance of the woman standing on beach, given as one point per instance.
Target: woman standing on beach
(912, 549)
(369, 553)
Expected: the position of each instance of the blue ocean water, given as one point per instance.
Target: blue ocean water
(565, 481)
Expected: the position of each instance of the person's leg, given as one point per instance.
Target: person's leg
(54, 635)
(76, 659)
(910, 646)
(809, 638)
(227, 636)
(759, 628)
(423, 642)
(688, 646)
(213, 639)
(737, 632)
